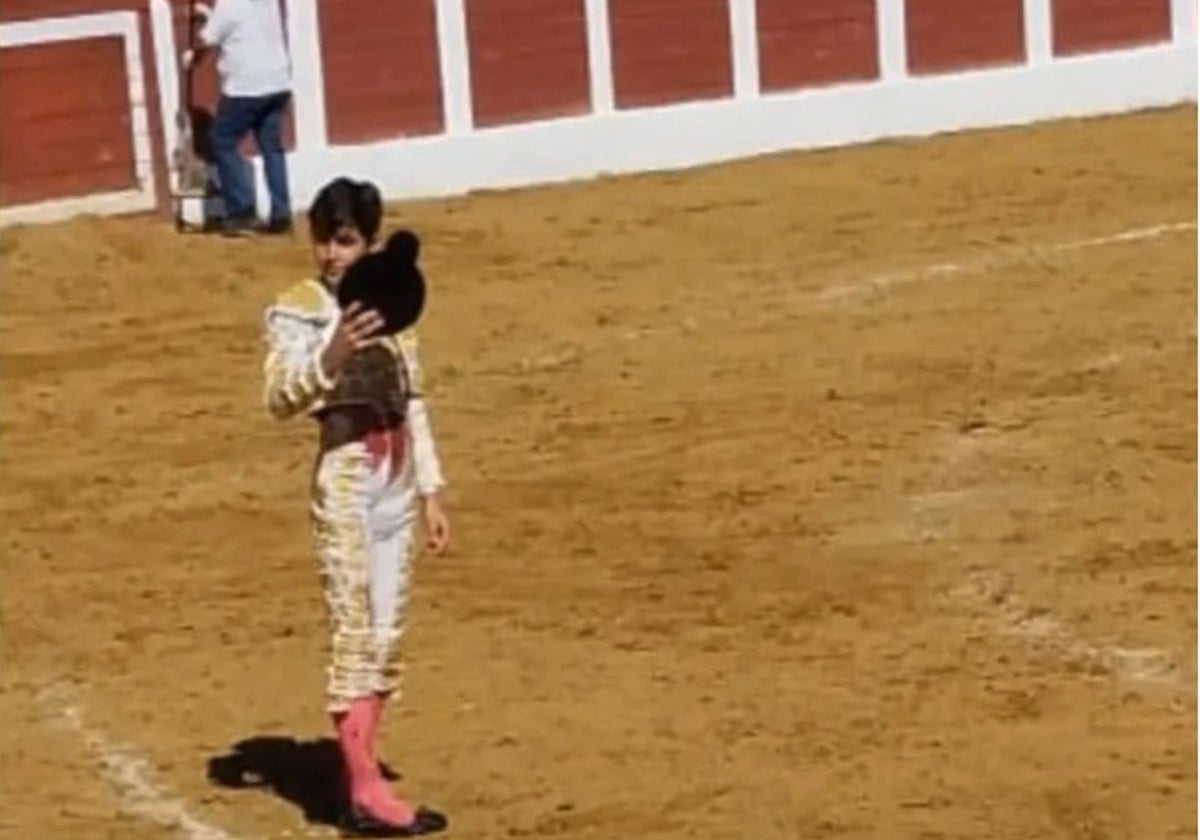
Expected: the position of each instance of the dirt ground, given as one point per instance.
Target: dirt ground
(834, 495)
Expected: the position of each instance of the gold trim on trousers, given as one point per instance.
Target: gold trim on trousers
(363, 517)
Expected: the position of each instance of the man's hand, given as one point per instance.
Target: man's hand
(435, 523)
(356, 330)
(201, 12)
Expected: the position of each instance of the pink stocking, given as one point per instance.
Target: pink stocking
(369, 792)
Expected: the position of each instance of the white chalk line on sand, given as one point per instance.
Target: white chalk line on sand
(997, 258)
(993, 599)
(132, 778)
(1009, 616)
(986, 591)
(992, 595)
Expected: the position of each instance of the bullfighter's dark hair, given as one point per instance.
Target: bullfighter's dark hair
(346, 203)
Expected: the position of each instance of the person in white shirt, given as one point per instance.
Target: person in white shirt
(255, 74)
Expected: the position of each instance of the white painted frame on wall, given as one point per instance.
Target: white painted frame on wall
(162, 29)
(743, 35)
(454, 66)
(892, 40)
(1039, 31)
(600, 66)
(1183, 20)
(124, 25)
(308, 83)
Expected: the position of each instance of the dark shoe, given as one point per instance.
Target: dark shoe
(277, 227)
(238, 227)
(356, 823)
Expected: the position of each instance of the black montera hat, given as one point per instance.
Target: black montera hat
(389, 282)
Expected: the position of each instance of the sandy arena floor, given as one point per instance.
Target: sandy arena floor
(839, 495)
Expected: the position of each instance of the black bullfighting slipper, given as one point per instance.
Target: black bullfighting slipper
(356, 823)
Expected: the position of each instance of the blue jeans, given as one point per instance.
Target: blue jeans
(262, 115)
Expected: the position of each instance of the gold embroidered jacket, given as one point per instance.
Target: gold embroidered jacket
(299, 325)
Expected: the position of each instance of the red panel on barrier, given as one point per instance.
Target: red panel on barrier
(1096, 25)
(666, 51)
(529, 59)
(66, 112)
(816, 42)
(950, 35)
(382, 78)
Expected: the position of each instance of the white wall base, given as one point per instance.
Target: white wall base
(62, 209)
(695, 134)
